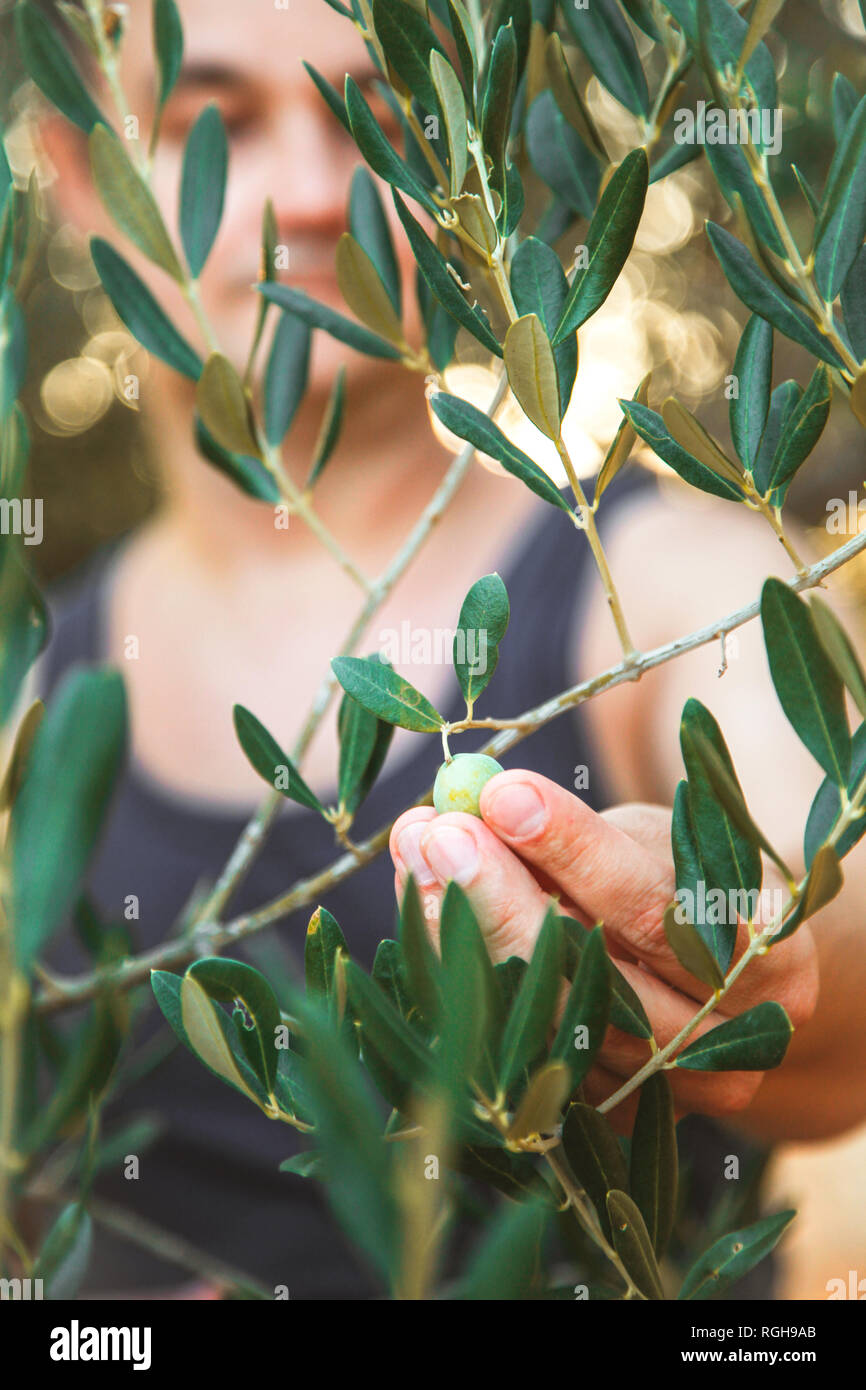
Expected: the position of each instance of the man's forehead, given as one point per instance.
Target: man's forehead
(254, 38)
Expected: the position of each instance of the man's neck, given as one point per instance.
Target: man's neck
(382, 473)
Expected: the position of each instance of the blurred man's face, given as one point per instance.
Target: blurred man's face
(284, 144)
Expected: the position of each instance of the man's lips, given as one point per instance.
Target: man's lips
(304, 268)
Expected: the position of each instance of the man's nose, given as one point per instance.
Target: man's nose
(312, 164)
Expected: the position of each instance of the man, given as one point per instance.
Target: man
(227, 608)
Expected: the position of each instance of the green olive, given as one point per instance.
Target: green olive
(458, 782)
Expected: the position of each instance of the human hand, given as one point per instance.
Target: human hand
(534, 840)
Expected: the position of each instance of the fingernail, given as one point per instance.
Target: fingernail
(516, 809)
(451, 854)
(412, 861)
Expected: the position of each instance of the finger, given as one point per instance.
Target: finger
(405, 848)
(506, 895)
(788, 973)
(507, 900)
(404, 844)
(607, 874)
(648, 824)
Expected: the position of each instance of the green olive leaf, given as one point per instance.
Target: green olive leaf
(129, 201)
(602, 32)
(136, 306)
(609, 240)
(587, 1010)
(837, 644)
(727, 854)
(841, 224)
(322, 944)
(499, 92)
(539, 1109)
(48, 63)
(626, 1010)
(690, 949)
(532, 373)
(803, 428)
(223, 406)
(168, 44)
(539, 286)
(753, 370)
(65, 1254)
(368, 224)
(381, 157)
(730, 1258)
(824, 881)
(286, 376)
(853, 300)
(245, 472)
(421, 964)
(434, 269)
(63, 801)
(329, 430)
(568, 98)
(654, 1160)
(206, 1037)
(690, 434)
(594, 1156)
(783, 402)
(364, 743)
(480, 629)
(764, 297)
(652, 428)
(23, 742)
(719, 774)
(476, 222)
(761, 18)
(632, 1243)
(756, 1040)
(559, 156)
(323, 316)
(807, 684)
(380, 690)
(268, 759)
(231, 980)
(532, 1010)
(469, 423)
(623, 443)
(330, 95)
(203, 187)
(823, 884)
(364, 291)
(408, 42)
(453, 108)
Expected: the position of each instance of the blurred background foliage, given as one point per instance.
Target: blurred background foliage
(92, 461)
